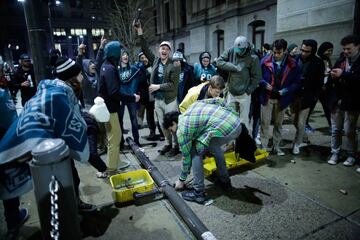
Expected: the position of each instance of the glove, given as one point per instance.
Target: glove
(283, 91)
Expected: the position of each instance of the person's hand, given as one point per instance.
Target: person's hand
(138, 28)
(25, 83)
(283, 92)
(153, 88)
(177, 63)
(179, 185)
(81, 49)
(336, 72)
(137, 98)
(269, 87)
(102, 42)
(238, 68)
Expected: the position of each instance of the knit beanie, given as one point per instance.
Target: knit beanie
(66, 68)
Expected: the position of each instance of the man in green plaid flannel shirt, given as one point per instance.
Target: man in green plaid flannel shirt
(205, 125)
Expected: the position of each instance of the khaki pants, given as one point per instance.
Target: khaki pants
(266, 113)
(161, 108)
(299, 116)
(240, 104)
(113, 133)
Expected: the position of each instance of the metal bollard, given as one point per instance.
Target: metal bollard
(54, 190)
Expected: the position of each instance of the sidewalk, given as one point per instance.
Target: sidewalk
(290, 197)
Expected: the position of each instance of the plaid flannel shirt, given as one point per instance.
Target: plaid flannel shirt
(201, 122)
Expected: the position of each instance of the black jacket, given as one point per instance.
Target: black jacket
(345, 90)
(109, 87)
(312, 80)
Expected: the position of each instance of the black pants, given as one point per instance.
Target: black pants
(94, 158)
(11, 212)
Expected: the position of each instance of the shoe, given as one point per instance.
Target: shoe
(226, 186)
(151, 137)
(358, 170)
(102, 174)
(123, 164)
(349, 161)
(165, 149)
(173, 152)
(257, 141)
(138, 143)
(296, 149)
(23, 216)
(193, 196)
(309, 129)
(333, 159)
(278, 152)
(86, 207)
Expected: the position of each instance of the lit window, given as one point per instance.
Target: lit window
(59, 32)
(97, 32)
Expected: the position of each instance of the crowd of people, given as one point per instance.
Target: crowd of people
(196, 108)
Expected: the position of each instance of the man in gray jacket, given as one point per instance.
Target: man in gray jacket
(164, 82)
(244, 74)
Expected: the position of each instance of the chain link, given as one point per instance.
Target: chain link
(54, 188)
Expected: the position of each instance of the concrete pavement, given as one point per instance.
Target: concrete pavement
(290, 197)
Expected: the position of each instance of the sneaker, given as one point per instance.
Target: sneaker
(23, 216)
(278, 152)
(309, 129)
(257, 141)
(226, 186)
(173, 152)
(86, 207)
(358, 170)
(296, 149)
(193, 196)
(151, 137)
(349, 161)
(165, 149)
(333, 159)
(123, 164)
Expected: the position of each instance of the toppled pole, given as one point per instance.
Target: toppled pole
(192, 221)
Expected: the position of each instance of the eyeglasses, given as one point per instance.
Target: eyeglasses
(305, 51)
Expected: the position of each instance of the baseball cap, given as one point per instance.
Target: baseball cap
(166, 43)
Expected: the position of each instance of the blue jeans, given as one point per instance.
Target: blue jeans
(216, 150)
(132, 108)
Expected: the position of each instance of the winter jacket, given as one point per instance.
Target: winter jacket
(247, 79)
(345, 90)
(186, 81)
(312, 79)
(130, 78)
(21, 76)
(193, 95)
(171, 73)
(289, 79)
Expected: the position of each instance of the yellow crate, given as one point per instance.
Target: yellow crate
(231, 161)
(125, 184)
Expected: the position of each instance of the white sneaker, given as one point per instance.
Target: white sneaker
(349, 161)
(278, 152)
(296, 149)
(358, 170)
(257, 141)
(333, 159)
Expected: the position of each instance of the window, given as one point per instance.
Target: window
(258, 31)
(183, 19)
(78, 31)
(219, 34)
(59, 32)
(155, 21)
(96, 32)
(167, 16)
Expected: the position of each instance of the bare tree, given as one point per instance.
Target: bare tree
(121, 16)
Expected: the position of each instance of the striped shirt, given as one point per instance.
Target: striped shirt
(201, 122)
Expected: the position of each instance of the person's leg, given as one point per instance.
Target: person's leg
(160, 112)
(337, 123)
(113, 132)
(121, 121)
(171, 107)
(300, 125)
(12, 212)
(94, 158)
(140, 113)
(134, 126)
(244, 108)
(278, 122)
(150, 118)
(265, 119)
(351, 141)
(325, 106)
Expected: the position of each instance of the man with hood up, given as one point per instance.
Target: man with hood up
(312, 77)
(109, 90)
(203, 70)
(244, 74)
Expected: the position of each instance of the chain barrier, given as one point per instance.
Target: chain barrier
(54, 188)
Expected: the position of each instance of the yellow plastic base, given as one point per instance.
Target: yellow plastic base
(125, 184)
(231, 161)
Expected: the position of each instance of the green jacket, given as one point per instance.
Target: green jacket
(244, 81)
(171, 73)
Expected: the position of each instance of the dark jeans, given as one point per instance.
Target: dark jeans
(254, 113)
(94, 158)
(150, 114)
(132, 108)
(324, 104)
(76, 178)
(11, 212)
